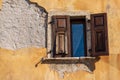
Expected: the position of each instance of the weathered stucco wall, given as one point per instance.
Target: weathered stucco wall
(20, 64)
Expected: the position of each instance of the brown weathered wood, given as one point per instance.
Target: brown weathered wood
(61, 40)
(99, 34)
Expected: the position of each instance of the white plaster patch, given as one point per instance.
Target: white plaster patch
(69, 68)
(22, 24)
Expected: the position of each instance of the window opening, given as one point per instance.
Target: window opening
(69, 36)
(78, 37)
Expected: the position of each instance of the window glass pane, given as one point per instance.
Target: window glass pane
(78, 40)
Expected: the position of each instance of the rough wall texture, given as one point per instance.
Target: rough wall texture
(22, 24)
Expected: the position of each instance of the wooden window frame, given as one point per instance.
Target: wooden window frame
(69, 20)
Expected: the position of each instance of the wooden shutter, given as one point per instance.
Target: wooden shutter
(99, 34)
(61, 36)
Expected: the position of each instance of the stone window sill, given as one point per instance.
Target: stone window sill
(83, 63)
(67, 60)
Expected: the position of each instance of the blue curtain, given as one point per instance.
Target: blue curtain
(78, 40)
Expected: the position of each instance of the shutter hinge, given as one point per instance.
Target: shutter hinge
(52, 21)
(89, 21)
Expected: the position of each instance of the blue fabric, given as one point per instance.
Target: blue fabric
(78, 40)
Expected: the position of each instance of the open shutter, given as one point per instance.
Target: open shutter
(99, 34)
(61, 36)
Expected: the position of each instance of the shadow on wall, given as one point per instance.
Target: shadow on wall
(89, 62)
(62, 65)
(43, 9)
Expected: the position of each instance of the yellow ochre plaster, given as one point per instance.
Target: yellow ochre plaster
(0, 4)
(20, 65)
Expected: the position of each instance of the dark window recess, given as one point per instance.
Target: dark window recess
(68, 32)
(78, 37)
(99, 34)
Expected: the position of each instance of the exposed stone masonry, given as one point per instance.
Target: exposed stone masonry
(22, 24)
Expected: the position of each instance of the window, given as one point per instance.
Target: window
(69, 36)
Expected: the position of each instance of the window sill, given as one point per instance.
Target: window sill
(66, 60)
(66, 63)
